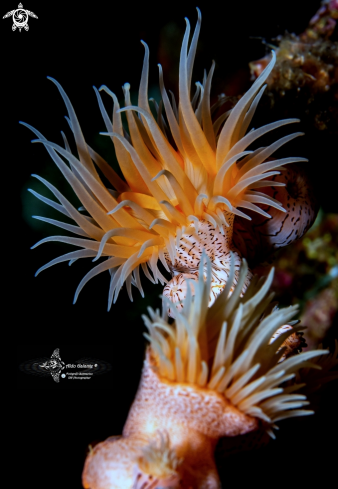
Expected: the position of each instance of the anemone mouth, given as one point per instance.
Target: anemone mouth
(299, 186)
(229, 348)
(294, 189)
(156, 464)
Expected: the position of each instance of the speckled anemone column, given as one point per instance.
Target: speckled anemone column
(217, 244)
(193, 417)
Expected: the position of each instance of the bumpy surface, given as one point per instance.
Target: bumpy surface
(159, 404)
(217, 244)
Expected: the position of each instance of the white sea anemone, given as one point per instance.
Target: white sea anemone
(212, 373)
(228, 347)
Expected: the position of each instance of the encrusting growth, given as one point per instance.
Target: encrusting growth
(212, 373)
(186, 176)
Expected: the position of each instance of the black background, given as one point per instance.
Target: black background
(98, 44)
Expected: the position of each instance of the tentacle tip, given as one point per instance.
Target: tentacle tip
(52, 79)
(105, 88)
(271, 434)
(160, 173)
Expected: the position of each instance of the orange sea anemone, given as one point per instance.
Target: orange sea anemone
(186, 176)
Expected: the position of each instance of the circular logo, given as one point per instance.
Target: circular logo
(20, 17)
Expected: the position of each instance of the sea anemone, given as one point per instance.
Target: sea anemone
(258, 238)
(212, 373)
(186, 176)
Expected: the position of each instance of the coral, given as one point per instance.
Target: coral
(305, 77)
(319, 313)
